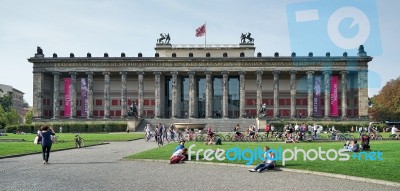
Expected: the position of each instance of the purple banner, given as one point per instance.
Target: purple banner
(317, 96)
(84, 100)
(334, 111)
(67, 97)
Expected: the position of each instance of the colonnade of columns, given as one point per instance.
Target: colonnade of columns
(193, 100)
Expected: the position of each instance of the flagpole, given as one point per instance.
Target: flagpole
(205, 36)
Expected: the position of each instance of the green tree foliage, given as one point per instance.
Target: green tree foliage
(6, 102)
(386, 104)
(28, 117)
(25, 104)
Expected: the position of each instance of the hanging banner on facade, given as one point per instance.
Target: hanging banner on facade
(84, 100)
(334, 96)
(317, 96)
(67, 97)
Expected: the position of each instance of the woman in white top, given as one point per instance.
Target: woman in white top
(268, 163)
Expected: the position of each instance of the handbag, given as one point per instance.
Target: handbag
(36, 140)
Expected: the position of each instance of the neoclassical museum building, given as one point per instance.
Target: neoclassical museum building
(198, 81)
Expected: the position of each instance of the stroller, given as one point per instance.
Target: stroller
(365, 143)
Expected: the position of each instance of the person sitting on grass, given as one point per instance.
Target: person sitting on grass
(178, 156)
(268, 163)
(354, 146)
(181, 146)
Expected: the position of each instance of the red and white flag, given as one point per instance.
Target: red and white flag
(201, 31)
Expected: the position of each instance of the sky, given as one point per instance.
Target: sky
(132, 26)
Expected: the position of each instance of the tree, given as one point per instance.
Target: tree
(6, 102)
(25, 104)
(28, 117)
(385, 106)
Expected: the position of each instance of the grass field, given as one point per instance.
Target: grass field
(387, 169)
(66, 141)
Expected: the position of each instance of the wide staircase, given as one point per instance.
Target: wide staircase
(220, 125)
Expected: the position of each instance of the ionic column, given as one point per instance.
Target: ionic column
(73, 95)
(106, 94)
(56, 94)
(38, 79)
(175, 101)
(242, 104)
(124, 91)
(363, 94)
(259, 89)
(344, 93)
(209, 96)
(90, 95)
(140, 93)
(293, 94)
(327, 88)
(191, 94)
(276, 93)
(225, 93)
(310, 91)
(157, 93)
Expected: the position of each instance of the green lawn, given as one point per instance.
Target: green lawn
(66, 140)
(387, 169)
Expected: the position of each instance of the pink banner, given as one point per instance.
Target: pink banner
(67, 97)
(334, 96)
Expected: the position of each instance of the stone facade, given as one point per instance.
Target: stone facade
(205, 84)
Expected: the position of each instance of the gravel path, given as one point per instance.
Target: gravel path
(101, 168)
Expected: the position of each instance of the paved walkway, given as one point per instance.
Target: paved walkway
(101, 168)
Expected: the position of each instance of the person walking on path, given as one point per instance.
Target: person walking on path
(46, 134)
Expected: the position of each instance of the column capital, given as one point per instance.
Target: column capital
(344, 72)
(207, 72)
(106, 73)
(292, 72)
(242, 72)
(89, 73)
(224, 72)
(56, 73)
(157, 73)
(72, 73)
(310, 72)
(275, 72)
(191, 73)
(327, 72)
(174, 73)
(259, 72)
(140, 72)
(123, 72)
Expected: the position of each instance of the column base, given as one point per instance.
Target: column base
(54, 118)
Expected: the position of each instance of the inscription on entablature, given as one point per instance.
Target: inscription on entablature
(201, 64)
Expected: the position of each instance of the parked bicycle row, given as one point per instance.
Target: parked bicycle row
(296, 133)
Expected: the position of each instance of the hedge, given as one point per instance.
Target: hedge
(97, 127)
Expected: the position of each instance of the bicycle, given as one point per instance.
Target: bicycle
(79, 141)
(394, 137)
(375, 136)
